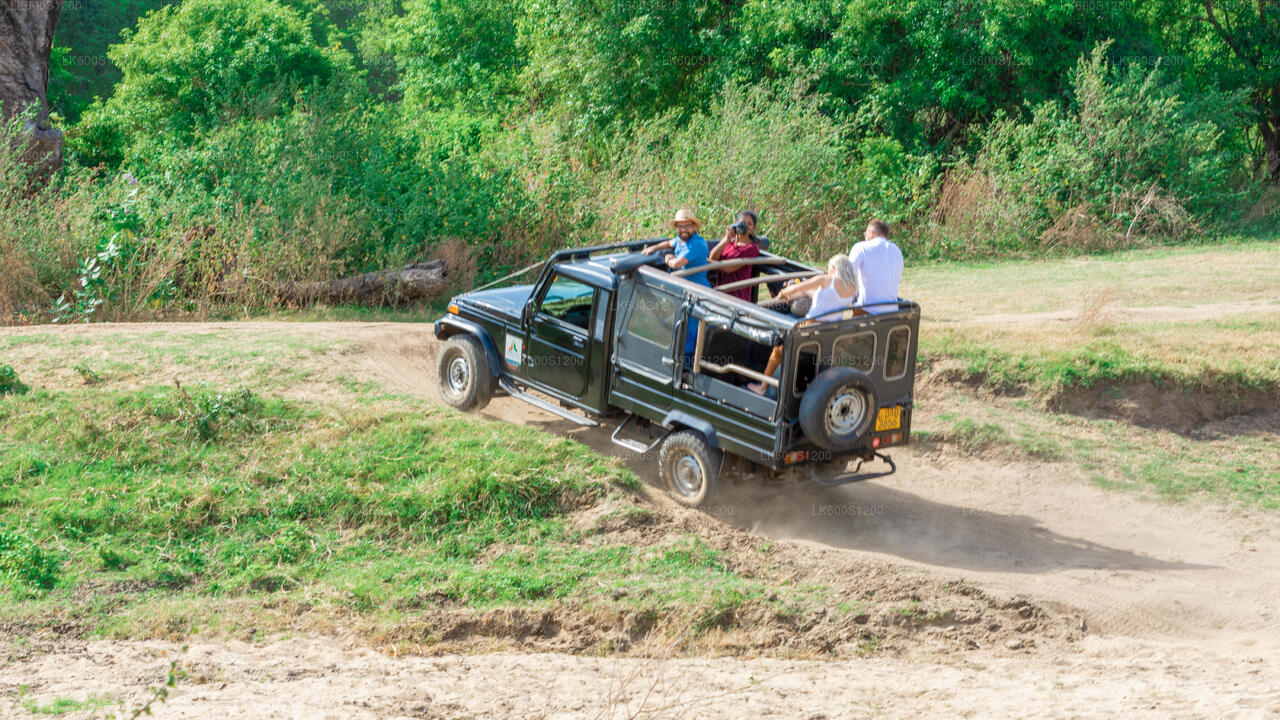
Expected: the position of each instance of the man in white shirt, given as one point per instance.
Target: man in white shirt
(878, 264)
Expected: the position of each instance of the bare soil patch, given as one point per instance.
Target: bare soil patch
(337, 678)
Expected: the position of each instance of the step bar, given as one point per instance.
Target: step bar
(519, 393)
(634, 446)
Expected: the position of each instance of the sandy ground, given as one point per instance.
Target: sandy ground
(1180, 604)
(325, 678)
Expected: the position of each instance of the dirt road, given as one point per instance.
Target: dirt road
(1180, 601)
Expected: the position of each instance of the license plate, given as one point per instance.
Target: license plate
(889, 418)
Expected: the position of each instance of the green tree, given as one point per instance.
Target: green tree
(1128, 151)
(1232, 45)
(606, 65)
(453, 55)
(927, 72)
(192, 68)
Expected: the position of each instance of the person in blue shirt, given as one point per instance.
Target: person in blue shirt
(687, 249)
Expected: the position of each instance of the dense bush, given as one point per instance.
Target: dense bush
(192, 68)
(1126, 155)
(10, 384)
(761, 148)
(24, 566)
(252, 141)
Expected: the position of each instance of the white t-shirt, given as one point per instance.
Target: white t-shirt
(878, 264)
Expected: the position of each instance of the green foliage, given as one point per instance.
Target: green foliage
(451, 55)
(1229, 45)
(24, 565)
(9, 382)
(79, 68)
(763, 148)
(926, 73)
(191, 67)
(609, 65)
(210, 411)
(1128, 155)
(299, 139)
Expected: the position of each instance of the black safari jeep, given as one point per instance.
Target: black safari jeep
(601, 334)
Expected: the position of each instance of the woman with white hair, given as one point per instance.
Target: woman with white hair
(829, 292)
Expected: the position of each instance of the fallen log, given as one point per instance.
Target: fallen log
(416, 281)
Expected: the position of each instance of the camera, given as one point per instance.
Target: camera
(739, 228)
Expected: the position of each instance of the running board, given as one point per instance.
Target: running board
(634, 446)
(516, 392)
(855, 476)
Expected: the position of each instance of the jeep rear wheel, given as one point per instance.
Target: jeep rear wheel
(466, 382)
(689, 466)
(838, 408)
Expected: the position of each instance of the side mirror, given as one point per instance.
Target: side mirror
(526, 315)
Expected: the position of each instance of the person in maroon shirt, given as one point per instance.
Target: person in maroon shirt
(738, 244)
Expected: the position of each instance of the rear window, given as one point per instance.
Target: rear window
(653, 316)
(856, 351)
(895, 361)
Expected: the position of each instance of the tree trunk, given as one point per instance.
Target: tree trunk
(26, 37)
(1270, 129)
(387, 287)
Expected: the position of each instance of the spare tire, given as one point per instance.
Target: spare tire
(838, 409)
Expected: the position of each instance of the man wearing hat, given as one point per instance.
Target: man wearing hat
(688, 249)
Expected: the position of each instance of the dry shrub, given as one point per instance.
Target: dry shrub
(18, 285)
(752, 149)
(45, 229)
(226, 262)
(1097, 312)
(972, 206)
(1154, 212)
(1078, 230)
(459, 260)
(964, 201)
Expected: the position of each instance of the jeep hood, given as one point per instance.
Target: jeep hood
(508, 301)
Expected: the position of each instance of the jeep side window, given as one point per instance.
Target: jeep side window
(653, 317)
(806, 366)
(569, 301)
(895, 361)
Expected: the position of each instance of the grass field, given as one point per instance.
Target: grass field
(276, 489)
(1167, 276)
(1191, 318)
(1175, 337)
(196, 503)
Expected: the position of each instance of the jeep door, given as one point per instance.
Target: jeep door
(559, 352)
(644, 372)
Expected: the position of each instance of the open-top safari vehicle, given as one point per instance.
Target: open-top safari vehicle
(600, 336)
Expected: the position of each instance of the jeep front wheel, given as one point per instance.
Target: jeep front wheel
(689, 467)
(838, 408)
(465, 380)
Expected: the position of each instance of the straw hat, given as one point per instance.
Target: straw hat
(683, 215)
